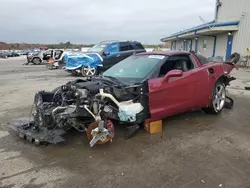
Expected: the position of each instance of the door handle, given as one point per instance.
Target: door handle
(118, 55)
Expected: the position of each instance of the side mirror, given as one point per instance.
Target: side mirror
(170, 74)
(106, 53)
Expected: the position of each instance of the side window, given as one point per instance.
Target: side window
(48, 53)
(167, 66)
(182, 62)
(138, 46)
(185, 63)
(125, 46)
(202, 59)
(113, 48)
(58, 54)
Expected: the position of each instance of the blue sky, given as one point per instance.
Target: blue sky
(90, 21)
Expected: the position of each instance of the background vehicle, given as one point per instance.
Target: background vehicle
(86, 64)
(14, 54)
(3, 54)
(113, 52)
(38, 57)
(9, 53)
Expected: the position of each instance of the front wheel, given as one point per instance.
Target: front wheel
(218, 99)
(36, 61)
(88, 71)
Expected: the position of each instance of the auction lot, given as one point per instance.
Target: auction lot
(195, 149)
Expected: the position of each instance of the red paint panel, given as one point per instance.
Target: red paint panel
(192, 90)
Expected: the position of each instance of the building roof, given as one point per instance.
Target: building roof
(212, 24)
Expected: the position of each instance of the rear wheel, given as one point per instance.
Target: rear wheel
(36, 61)
(218, 99)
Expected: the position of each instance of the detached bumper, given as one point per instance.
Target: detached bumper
(38, 136)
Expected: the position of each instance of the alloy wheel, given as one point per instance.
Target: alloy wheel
(219, 97)
(88, 71)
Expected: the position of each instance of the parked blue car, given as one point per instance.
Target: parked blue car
(84, 63)
(107, 54)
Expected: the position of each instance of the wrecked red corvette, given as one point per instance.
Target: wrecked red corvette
(142, 88)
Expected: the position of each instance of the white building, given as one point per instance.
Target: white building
(228, 32)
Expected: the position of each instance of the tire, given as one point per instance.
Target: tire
(234, 58)
(88, 71)
(36, 61)
(218, 99)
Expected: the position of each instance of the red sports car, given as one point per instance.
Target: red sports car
(142, 88)
(177, 81)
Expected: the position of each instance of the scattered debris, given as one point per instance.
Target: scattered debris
(202, 181)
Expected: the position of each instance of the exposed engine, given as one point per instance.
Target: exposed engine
(90, 106)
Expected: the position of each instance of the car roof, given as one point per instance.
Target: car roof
(112, 41)
(168, 53)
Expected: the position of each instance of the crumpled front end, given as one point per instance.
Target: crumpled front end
(93, 107)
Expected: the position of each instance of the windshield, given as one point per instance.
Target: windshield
(134, 68)
(97, 48)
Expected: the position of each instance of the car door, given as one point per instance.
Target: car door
(110, 55)
(58, 55)
(206, 72)
(177, 95)
(47, 55)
